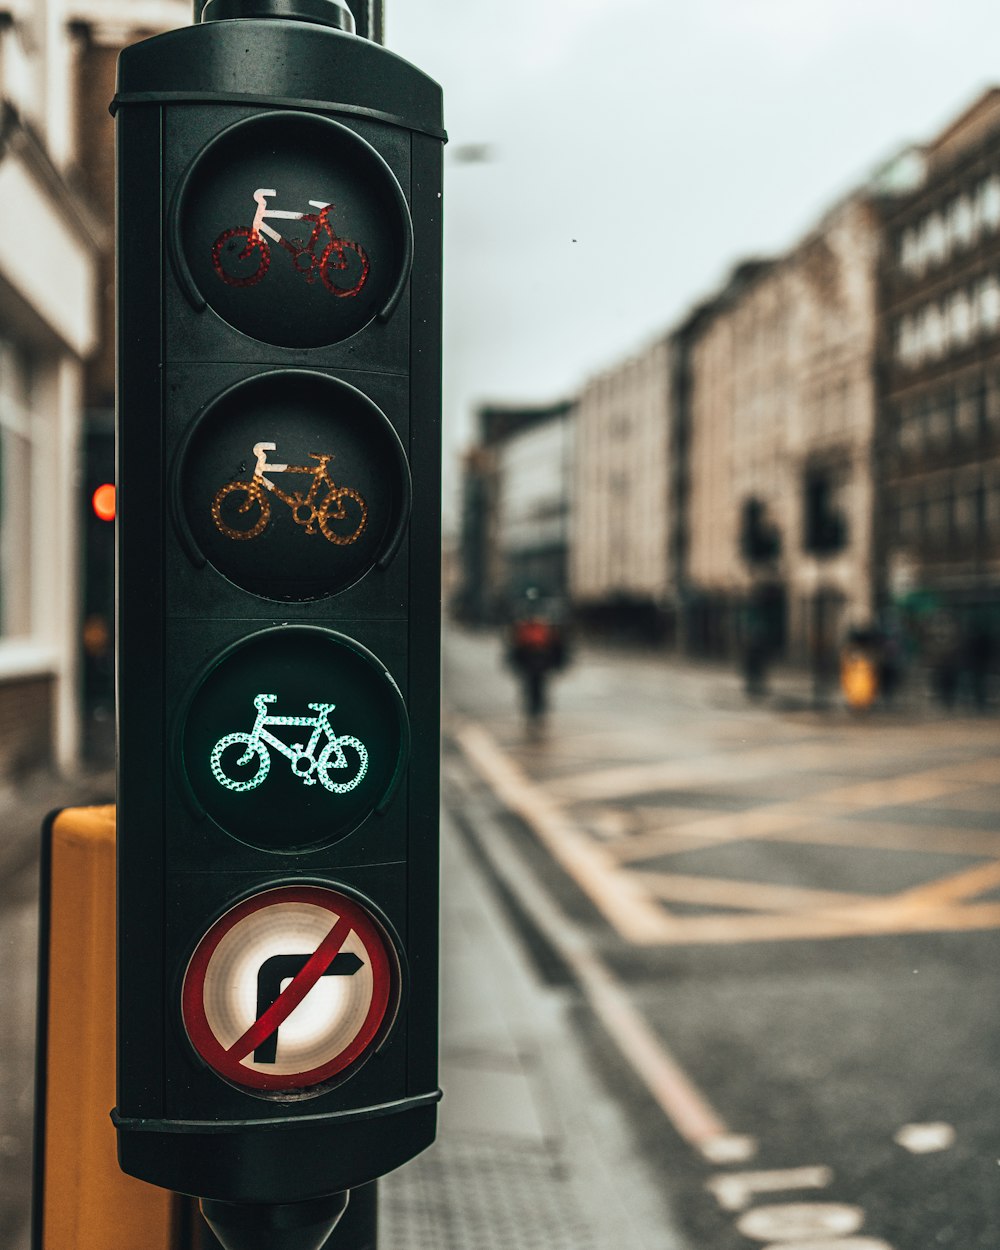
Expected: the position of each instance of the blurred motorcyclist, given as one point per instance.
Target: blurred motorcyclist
(536, 647)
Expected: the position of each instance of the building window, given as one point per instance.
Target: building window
(933, 331)
(942, 516)
(992, 506)
(988, 305)
(959, 319)
(910, 522)
(979, 515)
(15, 491)
(988, 203)
(966, 416)
(961, 222)
(935, 242)
(981, 405)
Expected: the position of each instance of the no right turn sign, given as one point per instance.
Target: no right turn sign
(290, 989)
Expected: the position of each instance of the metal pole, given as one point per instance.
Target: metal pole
(358, 1227)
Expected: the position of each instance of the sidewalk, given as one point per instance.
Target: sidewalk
(531, 1150)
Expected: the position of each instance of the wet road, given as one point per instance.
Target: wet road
(784, 926)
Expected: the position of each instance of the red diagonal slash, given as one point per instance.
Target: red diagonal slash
(346, 916)
(293, 993)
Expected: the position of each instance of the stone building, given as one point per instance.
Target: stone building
(623, 557)
(49, 244)
(782, 420)
(940, 443)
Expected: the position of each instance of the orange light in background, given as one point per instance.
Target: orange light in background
(103, 502)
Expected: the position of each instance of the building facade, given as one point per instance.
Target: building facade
(781, 438)
(57, 62)
(49, 246)
(623, 556)
(940, 438)
(515, 509)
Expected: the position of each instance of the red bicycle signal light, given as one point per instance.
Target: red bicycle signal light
(103, 502)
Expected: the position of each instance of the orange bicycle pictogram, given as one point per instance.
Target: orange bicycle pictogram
(315, 511)
(241, 255)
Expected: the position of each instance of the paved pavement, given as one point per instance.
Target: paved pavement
(532, 1152)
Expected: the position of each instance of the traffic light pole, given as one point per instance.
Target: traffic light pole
(279, 311)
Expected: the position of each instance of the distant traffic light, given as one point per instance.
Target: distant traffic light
(279, 618)
(103, 502)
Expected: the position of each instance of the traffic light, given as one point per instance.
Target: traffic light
(279, 265)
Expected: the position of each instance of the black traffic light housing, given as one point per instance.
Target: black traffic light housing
(279, 267)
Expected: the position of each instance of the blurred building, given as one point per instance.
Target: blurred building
(782, 423)
(515, 509)
(100, 29)
(49, 243)
(623, 558)
(940, 445)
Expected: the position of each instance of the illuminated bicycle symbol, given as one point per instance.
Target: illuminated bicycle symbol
(241, 255)
(311, 509)
(305, 763)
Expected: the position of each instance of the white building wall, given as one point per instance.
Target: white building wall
(621, 506)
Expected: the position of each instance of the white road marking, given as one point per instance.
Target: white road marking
(616, 892)
(734, 1190)
(791, 1221)
(750, 895)
(729, 1148)
(923, 1139)
(629, 901)
(838, 1243)
(673, 1091)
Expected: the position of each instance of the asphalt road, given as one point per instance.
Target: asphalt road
(783, 924)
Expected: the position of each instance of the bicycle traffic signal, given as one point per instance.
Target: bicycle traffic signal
(279, 612)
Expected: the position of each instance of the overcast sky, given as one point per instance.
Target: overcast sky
(639, 147)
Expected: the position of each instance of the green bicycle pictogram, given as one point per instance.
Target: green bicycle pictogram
(306, 764)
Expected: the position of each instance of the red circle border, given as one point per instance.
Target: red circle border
(384, 996)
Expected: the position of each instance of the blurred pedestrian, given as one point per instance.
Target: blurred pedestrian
(944, 657)
(979, 648)
(890, 663)
(756, 653)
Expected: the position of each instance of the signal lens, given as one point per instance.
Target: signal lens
(103, 502)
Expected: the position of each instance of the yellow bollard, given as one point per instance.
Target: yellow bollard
(83, 1201)
(858, 680)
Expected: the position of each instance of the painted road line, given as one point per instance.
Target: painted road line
(619, 896)
(969, 883)
(688, 774)
(884, 836)
(669, 1086)
(922, 1139)
(628, 903)
(750, 895)
(734, 1191)
(880, 920)
(795, 1221)
(732, 767)
(808, 821)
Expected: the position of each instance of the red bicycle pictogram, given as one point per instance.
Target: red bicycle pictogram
(241, 255)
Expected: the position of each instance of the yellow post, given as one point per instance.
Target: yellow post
(858, 679)
(85, 1201)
